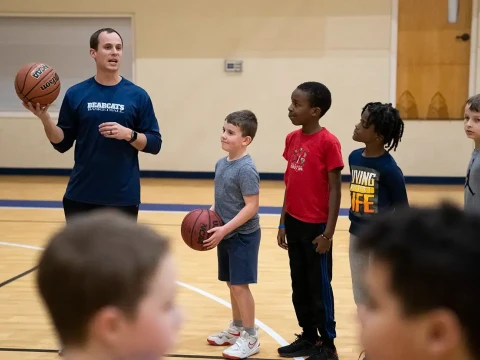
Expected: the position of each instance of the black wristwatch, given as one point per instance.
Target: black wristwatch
(134, 136)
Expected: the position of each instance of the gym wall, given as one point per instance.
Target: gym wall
(179, 50)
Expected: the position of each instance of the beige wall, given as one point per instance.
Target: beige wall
(180, 48)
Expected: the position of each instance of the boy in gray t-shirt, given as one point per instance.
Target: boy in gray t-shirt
(237, 185)
(472, 184)
(472, 180)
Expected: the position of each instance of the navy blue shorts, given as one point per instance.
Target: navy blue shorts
(238, 258)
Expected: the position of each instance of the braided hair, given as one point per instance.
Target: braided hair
(387, 122)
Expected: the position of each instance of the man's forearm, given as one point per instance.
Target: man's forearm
(140, 142)
(149, 143)
(53, 132)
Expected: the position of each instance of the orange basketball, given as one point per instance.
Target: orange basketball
(195, 226)
(37, 83)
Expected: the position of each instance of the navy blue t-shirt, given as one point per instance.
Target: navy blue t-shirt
(106, 171)
(377, 185)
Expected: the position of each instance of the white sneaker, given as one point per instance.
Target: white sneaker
(245, 346)
(226, 337)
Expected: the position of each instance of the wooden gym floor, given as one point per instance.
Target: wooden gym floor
(30, 210)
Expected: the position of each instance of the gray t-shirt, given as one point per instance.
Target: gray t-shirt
(234, 180)
(472, 184)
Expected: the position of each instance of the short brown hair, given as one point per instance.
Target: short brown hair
(474, 103)
(100, 259)
(245, 120)
(94, 41)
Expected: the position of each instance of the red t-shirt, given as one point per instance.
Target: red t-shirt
(310, 158)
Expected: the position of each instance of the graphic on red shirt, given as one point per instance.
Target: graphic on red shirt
(298, 159)
(310, 158)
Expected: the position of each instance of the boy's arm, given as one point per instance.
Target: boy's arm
(398, 189)
(212, 208)
(335, 183)
(248, 211)
(281, 237)
(249, 183)
(282, 215)
(285, 156)
(334, 163)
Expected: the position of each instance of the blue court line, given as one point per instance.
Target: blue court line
(49, 204)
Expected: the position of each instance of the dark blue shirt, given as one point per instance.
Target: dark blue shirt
(377, 185)
(106, 171)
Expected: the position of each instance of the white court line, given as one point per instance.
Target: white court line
(21, 246)
(259, 323)
(141, 211)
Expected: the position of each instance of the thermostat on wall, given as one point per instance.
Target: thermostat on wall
(233, 65)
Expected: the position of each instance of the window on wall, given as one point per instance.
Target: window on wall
(61, 42)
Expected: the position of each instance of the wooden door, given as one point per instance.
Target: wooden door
(432, 62)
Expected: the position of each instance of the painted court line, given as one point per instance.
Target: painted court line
(141, 210)
(184, 356)
(19, 276)
(21, 246)
(273, 334)
(144, 207)
(343, 212)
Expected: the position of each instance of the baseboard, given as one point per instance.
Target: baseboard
(205, 175)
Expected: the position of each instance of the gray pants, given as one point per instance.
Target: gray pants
(358, 265)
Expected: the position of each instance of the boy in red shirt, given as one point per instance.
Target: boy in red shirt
(309, 216)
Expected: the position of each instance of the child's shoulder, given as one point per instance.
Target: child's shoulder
(386, 162)
(248, 164)
(328, 135)
(391, 164)
(245, 170)
(326, 139)
(243, 163)
(357, 153)
(249, 159)
(321, 139)
(221, 165)
(222, 160)
(292, 134)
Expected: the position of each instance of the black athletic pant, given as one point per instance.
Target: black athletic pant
(72, 208)
(311, 274)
